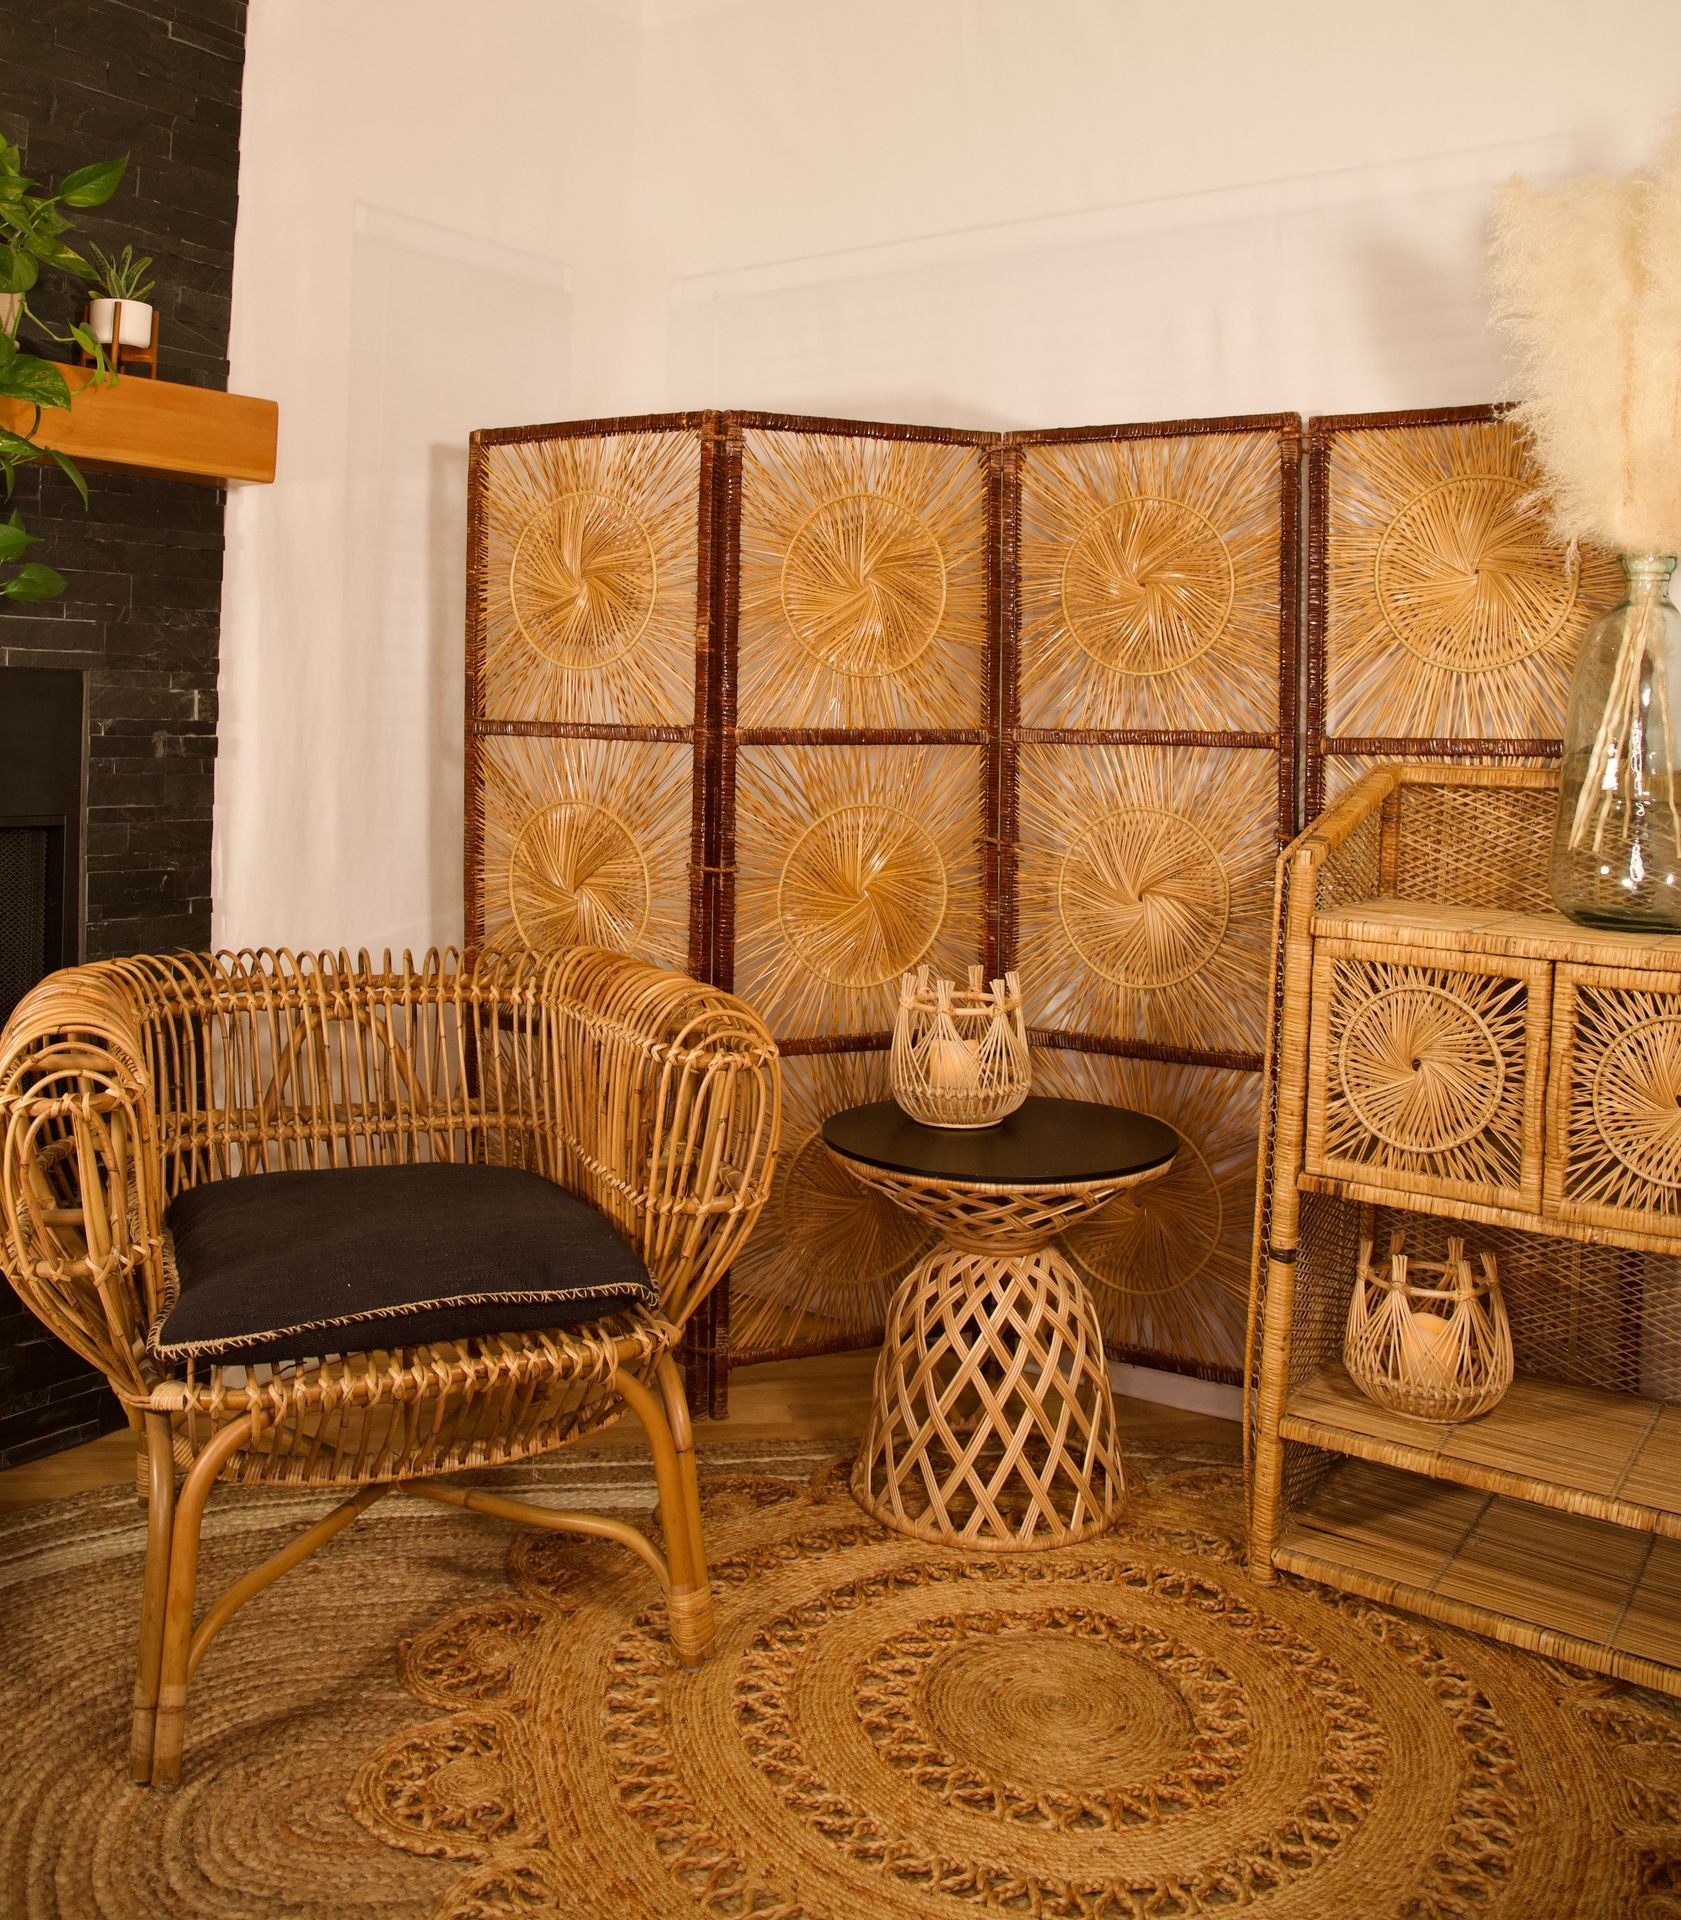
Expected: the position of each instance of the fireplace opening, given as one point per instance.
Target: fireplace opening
(42, 750)
(31, 911)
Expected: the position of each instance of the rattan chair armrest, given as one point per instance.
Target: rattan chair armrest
(79, 1191)
(661, 1098)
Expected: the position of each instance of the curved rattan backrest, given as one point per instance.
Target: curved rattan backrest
(654, 1098)
(268, 1060)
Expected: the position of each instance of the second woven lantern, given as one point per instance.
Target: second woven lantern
(959, 1055)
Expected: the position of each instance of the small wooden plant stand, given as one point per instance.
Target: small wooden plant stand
(993, 1424)
(1452, 1058)
(124, 359)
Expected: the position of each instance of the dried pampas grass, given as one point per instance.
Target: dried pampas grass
(1587, 288)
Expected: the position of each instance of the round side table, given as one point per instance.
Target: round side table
(993, 1424)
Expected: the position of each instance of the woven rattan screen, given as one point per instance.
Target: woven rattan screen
(856, 752)
(1040, 689)
(1442, 622)
(1147, 782)
(590, 686)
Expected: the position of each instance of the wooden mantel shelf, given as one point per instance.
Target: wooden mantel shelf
(157, 427)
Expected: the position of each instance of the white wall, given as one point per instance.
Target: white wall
(429, 240)
(988, 212)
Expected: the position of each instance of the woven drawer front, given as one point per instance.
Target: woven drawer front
(1614, 1133)
(1428, 1078)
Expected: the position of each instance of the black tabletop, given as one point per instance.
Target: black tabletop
(1043, 1143)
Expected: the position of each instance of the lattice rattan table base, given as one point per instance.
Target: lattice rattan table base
(993, 1424)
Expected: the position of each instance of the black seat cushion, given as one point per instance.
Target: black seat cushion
(279, 1266)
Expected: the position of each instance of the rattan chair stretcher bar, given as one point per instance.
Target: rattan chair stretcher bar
(642, 1092)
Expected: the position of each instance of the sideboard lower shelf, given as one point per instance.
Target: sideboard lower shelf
(1564, 1584)
(1611, 1456)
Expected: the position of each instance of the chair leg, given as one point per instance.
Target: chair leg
(689, 1598)
(160, 1519)
(170, 1729)
(673, 1391)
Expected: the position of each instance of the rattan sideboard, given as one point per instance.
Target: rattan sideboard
(1449, 1055)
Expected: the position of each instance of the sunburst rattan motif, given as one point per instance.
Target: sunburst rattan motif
(1448, 613)
(861, 893)
(863, 582)
(828, 1253)
(1168, 1264)
(864, 585)
(1144, 897)
(590, 576)
(576, 878)
(1623, 1139)
(1145, 875)
(1150, 582)
(854, 864)
(1146, 586)
(1426, 1071)
(1466, 578)
(587, 842)
(1421, 1067)
(583, 580)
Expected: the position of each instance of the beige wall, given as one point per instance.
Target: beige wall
(997, 212)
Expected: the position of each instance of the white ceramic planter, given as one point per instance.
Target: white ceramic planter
(136, 323)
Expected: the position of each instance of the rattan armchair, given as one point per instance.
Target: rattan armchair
(126, 1082)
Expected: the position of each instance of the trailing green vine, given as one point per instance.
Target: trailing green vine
(33, 223)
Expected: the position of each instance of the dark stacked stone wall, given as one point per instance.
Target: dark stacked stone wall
(82, 80)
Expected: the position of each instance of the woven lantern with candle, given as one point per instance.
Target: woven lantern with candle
(959, 1055)
(1428, 1337)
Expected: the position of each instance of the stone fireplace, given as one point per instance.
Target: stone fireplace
(43, 749)
(121, 863)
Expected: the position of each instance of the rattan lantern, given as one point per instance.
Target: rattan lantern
(1428, 1337)
(959, 1055)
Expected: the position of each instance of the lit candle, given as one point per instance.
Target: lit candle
(1430, 1347)
(950, 1064)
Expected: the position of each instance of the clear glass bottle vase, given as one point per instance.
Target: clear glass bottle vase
(1617, 845)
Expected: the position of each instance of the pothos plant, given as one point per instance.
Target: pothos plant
(33, 223)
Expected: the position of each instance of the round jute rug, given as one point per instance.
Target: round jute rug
(441, 1717)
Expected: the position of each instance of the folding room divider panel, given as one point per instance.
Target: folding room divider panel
(1147, 786)
(1442, 623)
(795, 704)
(858, 741)
(590, 686)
